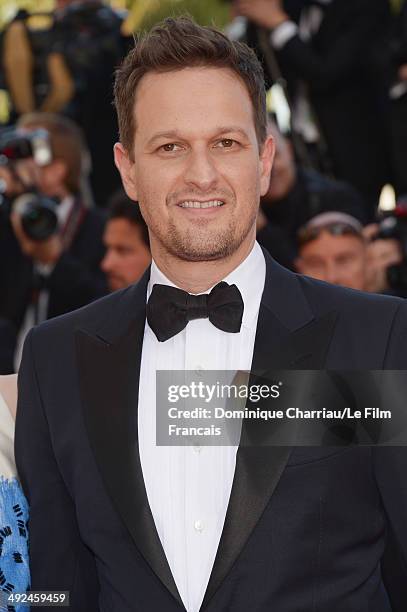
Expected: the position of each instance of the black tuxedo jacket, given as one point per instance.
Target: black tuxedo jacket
(341, 68)
(75, 281)
(306, 528)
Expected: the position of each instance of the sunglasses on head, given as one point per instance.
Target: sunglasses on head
(307, 234)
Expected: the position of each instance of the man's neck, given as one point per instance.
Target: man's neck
(199, 276)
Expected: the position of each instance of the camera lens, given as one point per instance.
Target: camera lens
(38, 216)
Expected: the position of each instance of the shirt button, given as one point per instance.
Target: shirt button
(199, 526)
(198, 369)
(197, 449)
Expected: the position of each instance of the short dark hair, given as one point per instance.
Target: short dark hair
(180, 43)
(122, 207)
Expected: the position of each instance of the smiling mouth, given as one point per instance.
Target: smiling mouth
(197, 204)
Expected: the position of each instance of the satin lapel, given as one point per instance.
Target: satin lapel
(287, 337)
(109, 372)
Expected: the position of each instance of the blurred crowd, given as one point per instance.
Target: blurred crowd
(337, 74)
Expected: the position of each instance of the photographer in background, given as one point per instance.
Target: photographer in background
(127, 243)
(33, 73)
(89, 36)
(332, 248)
(397, 81)
(295, 195)
(330, 61)
(387, 252)
(51, 243)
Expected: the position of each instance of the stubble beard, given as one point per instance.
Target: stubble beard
(202, 243)
(202, 240)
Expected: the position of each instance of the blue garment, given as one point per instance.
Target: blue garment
(14, 568)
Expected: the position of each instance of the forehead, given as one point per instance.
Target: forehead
(192, 100)
(120, 227)
(326, 245)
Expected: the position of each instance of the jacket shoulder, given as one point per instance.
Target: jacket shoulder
(323, 296)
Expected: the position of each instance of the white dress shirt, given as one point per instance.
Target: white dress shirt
(188, 487)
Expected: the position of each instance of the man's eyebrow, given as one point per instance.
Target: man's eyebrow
(217, 132)
(160, 135)
(232, 128)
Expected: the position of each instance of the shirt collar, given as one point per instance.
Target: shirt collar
(249, 277)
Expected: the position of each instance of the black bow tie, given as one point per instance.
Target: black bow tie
(169, 309)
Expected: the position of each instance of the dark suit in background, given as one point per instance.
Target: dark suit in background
(340, 66)
(75, 281)
(311, 195)
(398, 109)
(306, 528)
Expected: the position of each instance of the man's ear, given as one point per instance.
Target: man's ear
(266, 164)
(125, 167)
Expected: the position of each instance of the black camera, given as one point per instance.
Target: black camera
(37, 211)
(16, 144)
(38, 215)
(394, 226)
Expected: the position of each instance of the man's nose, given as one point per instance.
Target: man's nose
(332, 274)
(201, 171)
(107, 261)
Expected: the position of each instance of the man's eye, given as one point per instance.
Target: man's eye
(227, 143)
(169, 147)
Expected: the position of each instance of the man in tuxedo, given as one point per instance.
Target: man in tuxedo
(126, 525)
